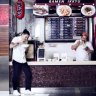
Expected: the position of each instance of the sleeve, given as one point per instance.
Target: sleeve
(14, 40)
(90, 46)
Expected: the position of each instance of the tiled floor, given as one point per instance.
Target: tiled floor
(65, 92)
(4, 93)
(57, 95)
(4, 73)
(33, 95)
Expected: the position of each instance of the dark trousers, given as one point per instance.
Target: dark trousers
(17, 68)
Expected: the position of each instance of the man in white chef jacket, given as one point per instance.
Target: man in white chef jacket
(19, 45)
(83, 48)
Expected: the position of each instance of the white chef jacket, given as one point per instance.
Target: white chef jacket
(81, 53)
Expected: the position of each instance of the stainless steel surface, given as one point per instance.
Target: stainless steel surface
(90, 30)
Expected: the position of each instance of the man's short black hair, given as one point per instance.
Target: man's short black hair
(25, 31)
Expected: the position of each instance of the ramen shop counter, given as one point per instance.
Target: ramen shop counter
(61, 63)
(60, 74)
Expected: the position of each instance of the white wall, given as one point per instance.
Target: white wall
(39, 29)
(20, 25)
(59, 48)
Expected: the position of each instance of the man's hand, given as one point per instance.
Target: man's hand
(12, 45)
(78, 43)
(88, 50)
(74, 47)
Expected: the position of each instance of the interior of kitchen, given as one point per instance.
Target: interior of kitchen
(54, 26)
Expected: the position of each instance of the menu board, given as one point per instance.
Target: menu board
(64, 28)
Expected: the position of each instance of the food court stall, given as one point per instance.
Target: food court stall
(54, 26)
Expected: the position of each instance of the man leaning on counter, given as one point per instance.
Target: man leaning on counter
(83, 48)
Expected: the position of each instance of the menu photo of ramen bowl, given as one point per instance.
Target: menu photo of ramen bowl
(64, 10)
(41, 10)
(88, 10)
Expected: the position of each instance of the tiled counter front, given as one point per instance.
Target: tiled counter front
(60, 76)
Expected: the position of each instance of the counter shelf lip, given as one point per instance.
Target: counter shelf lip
(60, 63)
